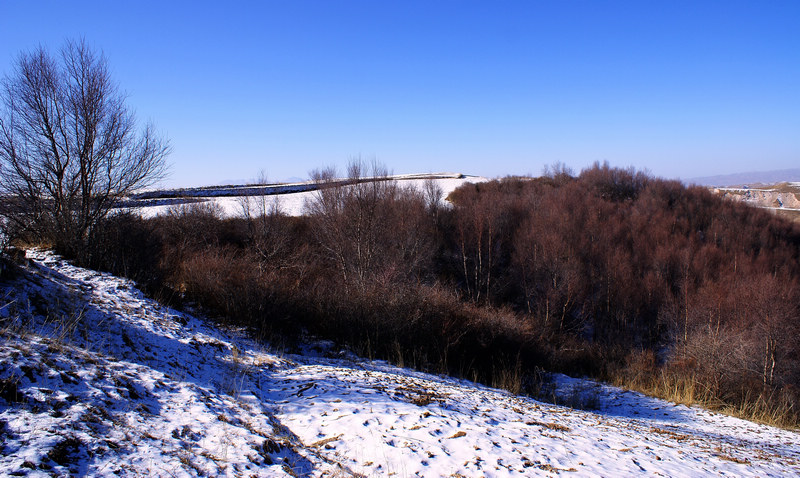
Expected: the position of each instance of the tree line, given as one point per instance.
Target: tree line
(610, 273)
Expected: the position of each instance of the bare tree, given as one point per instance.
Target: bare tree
(558, 172)
(433, 194)
(69, 146)
(372, 230)
(347, 214)
(4, 226)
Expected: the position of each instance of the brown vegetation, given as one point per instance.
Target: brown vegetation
(610, 273)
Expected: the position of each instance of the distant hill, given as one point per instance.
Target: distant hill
(290, 198)
(754, 177)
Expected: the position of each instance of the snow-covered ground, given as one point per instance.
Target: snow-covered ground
(95, 379)
(785, 196)
(290, 199)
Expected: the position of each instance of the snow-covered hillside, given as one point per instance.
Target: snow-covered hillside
(290, 199)
(96, 379)
(778, 196)
(782, 198)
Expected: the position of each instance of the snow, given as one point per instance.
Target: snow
(771, 199)
(290, 199)
(108, 382)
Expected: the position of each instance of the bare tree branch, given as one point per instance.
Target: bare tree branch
(69, 146)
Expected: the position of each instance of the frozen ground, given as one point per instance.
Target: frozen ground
(95, 379)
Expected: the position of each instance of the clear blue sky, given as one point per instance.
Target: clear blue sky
(683, 89)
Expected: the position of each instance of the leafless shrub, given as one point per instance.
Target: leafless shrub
(434, 196)
(613, 183)
(66, 451)
(9, 390)
(367, 227)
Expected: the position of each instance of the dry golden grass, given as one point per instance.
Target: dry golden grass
(688, 390)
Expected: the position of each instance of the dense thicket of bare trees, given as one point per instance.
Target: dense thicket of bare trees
(610, 272)
(69, 146)
(626, 262)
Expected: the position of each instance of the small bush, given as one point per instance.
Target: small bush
(66, 451)
(9, 390)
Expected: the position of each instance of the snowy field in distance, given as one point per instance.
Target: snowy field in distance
(99, 380)
(289, 198)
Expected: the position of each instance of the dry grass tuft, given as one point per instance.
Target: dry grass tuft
(550, 426)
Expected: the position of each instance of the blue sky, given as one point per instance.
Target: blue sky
(682, 89)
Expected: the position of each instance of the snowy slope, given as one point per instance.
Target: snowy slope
(782, 196)
(289, 198)
(96, 379)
